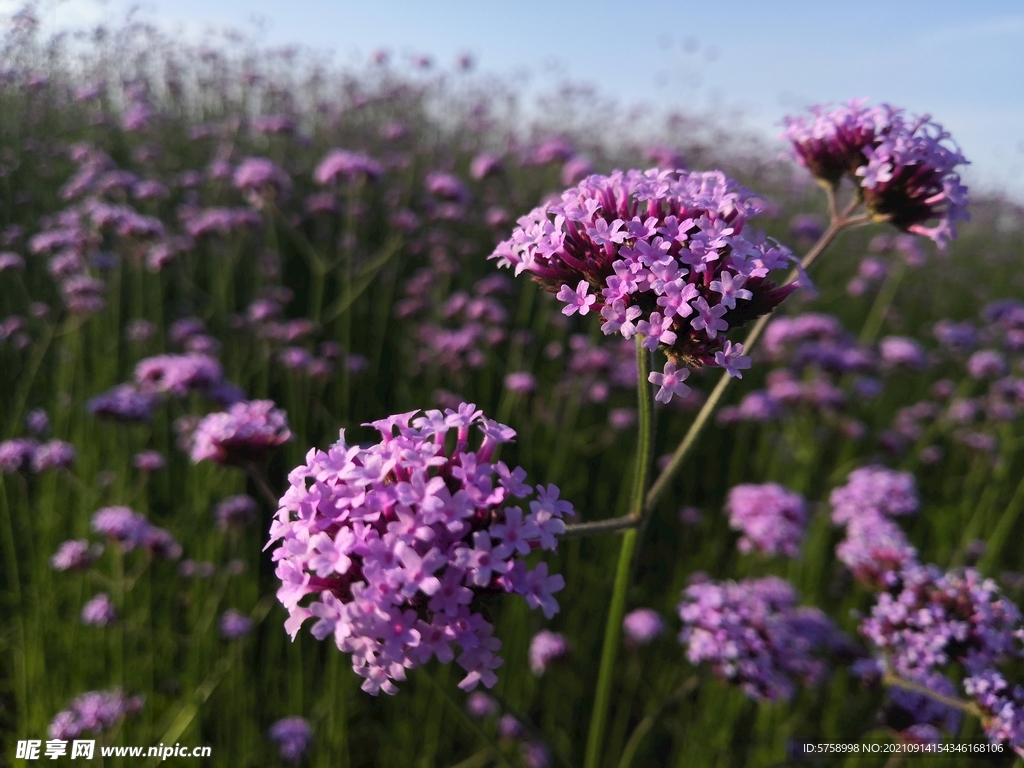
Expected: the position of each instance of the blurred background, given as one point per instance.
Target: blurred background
(747, 62)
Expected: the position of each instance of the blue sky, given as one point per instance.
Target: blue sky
(961, 62)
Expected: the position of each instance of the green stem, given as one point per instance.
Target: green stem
(613, 626)
(645, 725)
(493, 748)
(10, 553)
(883, 301)
(661, 484)
(889, 678)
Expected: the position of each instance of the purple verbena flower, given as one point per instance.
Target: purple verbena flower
(123, 403)
(481, 706)
(1002, 706)
(149, 461)
(17, 455)
(874, 489)
(670, 382)
(753, 634)
(875, 548)
(545, 647)
(234, 625)
(122, 525)
(93, 713)
(340, 164)
(245, 433)
(671, 244)
(386, 546)
(75, 555)
(293, 736)
(235, 512)
(37, 422)
(902, 351)
(986, 364)
(928, 619)
(771, 518)
(642, 626)
(53, 454)
(99, 612)
(177, 375)
(520, 382)
(904, 167)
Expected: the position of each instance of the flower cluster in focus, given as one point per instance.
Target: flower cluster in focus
(397, 543)
(659, 253)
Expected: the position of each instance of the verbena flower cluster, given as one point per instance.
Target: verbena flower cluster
(99, 611)
(75, 555)
(546, 647)
(903, 166)
(771, 518)
(642, 626)
(1002, 707)
(129, 529)
(754, 635)
(397, 544)
(245, 433)
(930, 619)
(93, 713)
(293, 735)
(661, 253)
(25, 454)
(874, 548)
(874, 489)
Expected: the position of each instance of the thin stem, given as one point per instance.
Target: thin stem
(258, 475)
(596, 527)
(661, 484)
(466, 719)
(613, 626)
(886, 294)
(890, 678)
(644, 726)
(535, 733)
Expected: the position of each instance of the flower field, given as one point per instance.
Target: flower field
(366, 417)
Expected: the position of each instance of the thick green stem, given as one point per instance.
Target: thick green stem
(613, 627)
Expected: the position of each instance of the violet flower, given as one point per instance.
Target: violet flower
(99, 612)
(93, 713)
(234, 625)
(245, 433)
(928, 619)
(75, 555)
(642, 626)
(293, 736)
(340, 164)
(874, 489)
(387, 546)
(904, 167)
(771, 518)
(123, 403)
(545, 647)
(670, 244)
(753, 634)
